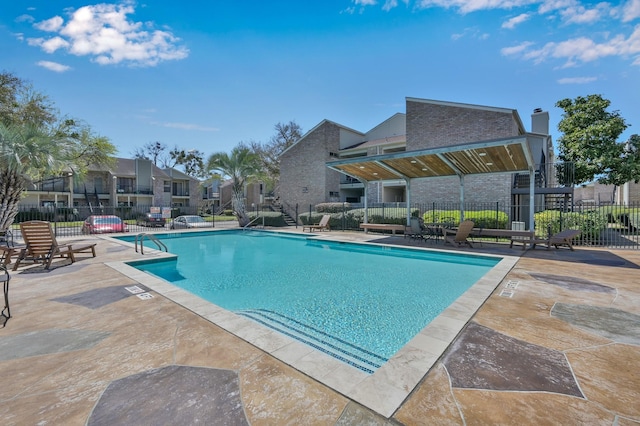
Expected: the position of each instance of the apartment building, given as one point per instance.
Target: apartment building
(306, 179)
(131, 183)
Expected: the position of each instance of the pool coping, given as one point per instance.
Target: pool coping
(386, 389)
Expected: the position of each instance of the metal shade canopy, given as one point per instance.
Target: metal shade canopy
(507, 155)
(496, 156)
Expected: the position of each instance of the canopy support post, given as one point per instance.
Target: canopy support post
(532, 198)
(461, 197)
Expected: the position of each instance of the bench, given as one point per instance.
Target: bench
(383, 227)
(563, 238)
(514, 235)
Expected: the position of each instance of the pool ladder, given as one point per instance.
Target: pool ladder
(141, 236)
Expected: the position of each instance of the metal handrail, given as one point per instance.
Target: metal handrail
(257, 217)
(141, 236)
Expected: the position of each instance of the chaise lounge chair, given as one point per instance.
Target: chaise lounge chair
(41, 245)
(416, 229)
(562, 238)
(460, 236)
(320, 226)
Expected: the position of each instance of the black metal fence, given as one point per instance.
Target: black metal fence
(67, 221)
(603, 225)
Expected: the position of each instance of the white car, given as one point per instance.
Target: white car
(190, 222)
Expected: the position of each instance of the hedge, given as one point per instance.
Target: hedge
(270, 219)
(591, 223)
(482, 218)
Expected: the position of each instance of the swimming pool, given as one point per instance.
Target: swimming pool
(357, 303)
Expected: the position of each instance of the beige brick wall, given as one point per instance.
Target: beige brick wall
(434, 125)
(304, 178)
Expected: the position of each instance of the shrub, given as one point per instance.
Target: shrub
(270, 219)
(481, 218)
(591, 223)
(393, 215)
(332, 207)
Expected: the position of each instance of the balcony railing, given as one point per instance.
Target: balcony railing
(52, 185)
(348, 180)
(548, 175)
(180, 193)
(131, 189)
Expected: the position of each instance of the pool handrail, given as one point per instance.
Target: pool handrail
(141, 236)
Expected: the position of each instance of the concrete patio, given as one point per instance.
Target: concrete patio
(557, 342)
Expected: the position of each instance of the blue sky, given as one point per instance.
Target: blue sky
(207, 74)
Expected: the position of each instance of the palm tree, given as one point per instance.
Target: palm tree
(31, 152)
(242, 166)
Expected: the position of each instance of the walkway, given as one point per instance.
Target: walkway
(558, 342)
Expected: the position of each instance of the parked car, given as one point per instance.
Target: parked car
(99, 224)
(151, 219)
(189, 222)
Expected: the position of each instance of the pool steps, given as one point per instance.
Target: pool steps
(353, 355)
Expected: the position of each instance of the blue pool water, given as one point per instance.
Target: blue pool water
(359, 303)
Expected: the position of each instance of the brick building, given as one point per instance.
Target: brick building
(306, 180)
(131, 183)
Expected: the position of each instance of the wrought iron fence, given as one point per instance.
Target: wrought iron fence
(67, 221)
(602, 225)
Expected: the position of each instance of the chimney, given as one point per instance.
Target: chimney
(540, 121)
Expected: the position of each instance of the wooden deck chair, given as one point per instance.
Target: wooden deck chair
(562, 238)
(41, 245)
(320, 226)
(460, 236)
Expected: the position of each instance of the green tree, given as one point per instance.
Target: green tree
(286, 135)
(590, 141)
(154, 152)
(242, 166)
(34, 144)
(192, 161)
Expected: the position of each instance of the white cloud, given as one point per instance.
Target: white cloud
(583, 49)
(53, 66)
(516, 50)
(104, 33)
(631, 10)
(578, 14)
(389, 4)
(468, 6)
(576, 80)
(25, 18)
(472, 32)
(50, 25)
(53, 44)
(516, 20)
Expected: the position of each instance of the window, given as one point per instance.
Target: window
(334, 194)
(167, 186)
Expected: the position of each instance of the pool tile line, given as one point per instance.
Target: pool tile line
(344, 351)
